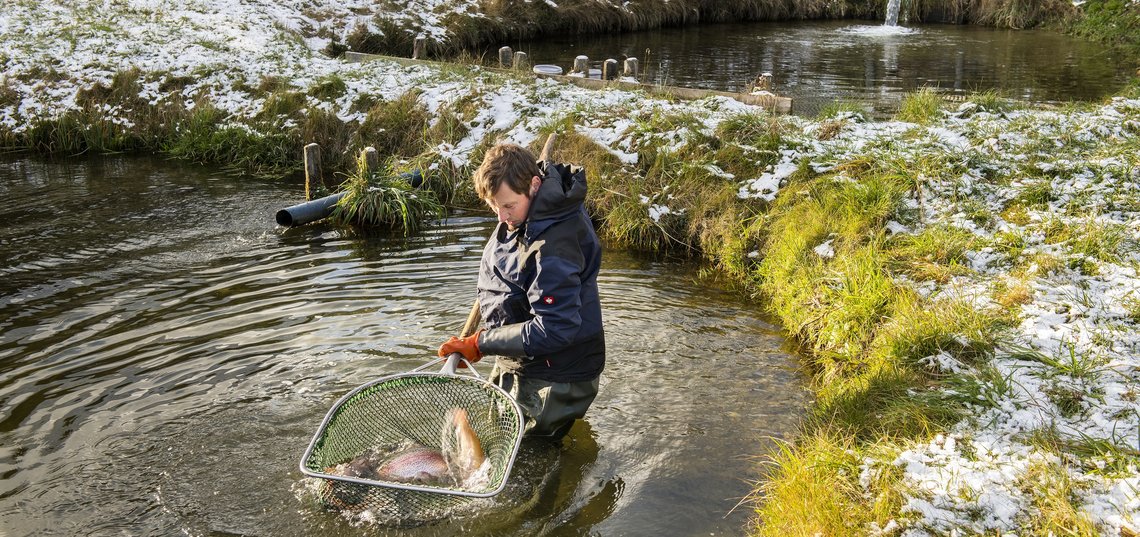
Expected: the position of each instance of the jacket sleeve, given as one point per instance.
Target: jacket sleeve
(555, 302)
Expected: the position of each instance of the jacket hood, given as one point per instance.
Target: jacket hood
(560, 196)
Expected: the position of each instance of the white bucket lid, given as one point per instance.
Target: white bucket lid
(547, 69)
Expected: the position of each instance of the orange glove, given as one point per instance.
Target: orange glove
(468, 347)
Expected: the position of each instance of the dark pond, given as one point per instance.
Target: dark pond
(166, 354)
(816, 62)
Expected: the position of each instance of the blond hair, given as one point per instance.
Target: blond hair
(510, 164)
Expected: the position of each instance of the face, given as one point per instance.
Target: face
(510, 206)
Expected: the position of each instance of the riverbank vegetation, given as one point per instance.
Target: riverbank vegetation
(383, 197)
(964, 279)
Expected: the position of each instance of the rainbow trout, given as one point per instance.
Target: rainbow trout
(461, 457)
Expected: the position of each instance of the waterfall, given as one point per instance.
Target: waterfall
(892, 13)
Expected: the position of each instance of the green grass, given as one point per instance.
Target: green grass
(842, 108)
(383, 199)
(922, 107)
(206, 137)
(396, 127)
(937, 253)
(1057, 502)
(1103, 242)
(813, 488)
(1085, 366)
(992, 101)
(1114, 22)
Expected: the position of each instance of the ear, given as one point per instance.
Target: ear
(535, 183)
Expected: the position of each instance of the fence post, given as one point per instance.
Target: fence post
(631, 67)
(609, 69)
(520, 62)
(371, 160)
(419, 48)
(312, 169)
(505, 57)
(581, 65)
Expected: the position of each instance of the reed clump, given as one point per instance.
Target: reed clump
(384, 198)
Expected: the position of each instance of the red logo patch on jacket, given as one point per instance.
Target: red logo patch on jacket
(548, 300)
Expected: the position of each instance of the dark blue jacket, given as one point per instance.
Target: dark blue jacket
(538, 286)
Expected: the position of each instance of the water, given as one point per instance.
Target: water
(817, 62)
(166, 354)
(892, 13)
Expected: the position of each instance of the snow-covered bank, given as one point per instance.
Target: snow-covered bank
(1072, 367)
(1052, 199)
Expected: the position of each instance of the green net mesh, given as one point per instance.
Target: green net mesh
(412, 408)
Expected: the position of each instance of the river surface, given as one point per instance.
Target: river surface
(167, 353)
(817, 62)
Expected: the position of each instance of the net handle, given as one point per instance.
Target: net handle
(450, 366)
(452, 362)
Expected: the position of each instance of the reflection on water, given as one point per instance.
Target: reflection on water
(166, 354)
(815, 62)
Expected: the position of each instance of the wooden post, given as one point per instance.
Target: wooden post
(520, 62)
(609, 69)
(312, 169)
(505, 57)
(631, 67)
(419, 48)
(581, 65)
(371, 160)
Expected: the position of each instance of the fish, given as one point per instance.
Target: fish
(415, 465)
(460, 458)
(463, 452)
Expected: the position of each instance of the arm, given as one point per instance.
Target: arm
(555, 301)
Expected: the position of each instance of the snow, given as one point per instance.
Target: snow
(964, 481)
(825, 249)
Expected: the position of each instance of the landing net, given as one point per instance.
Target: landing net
(412, 408)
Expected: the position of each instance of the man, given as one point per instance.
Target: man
(538, 290)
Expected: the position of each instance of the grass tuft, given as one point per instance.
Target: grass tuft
(383, 199)
(922, 107)
(1056, 499)
(396, 127)
(813, 489)
(938, 253)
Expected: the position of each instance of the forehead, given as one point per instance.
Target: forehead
(504, 196)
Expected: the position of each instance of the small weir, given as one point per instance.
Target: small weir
(167, 352)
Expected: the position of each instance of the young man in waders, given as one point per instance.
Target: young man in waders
(538, 290)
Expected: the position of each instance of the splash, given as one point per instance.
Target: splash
(878, 31)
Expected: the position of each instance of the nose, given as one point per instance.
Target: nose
(502, 215)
